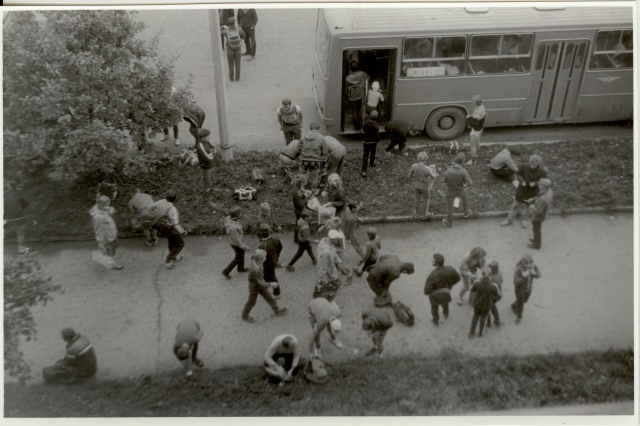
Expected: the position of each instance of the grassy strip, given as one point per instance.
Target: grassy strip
(585, 174)
(450, 384)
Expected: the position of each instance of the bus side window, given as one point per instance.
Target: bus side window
(515, 53)
(483, 54)
(613, 49)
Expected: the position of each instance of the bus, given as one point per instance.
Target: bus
(531, 65)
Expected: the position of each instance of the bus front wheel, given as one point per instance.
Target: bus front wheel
(446, 123)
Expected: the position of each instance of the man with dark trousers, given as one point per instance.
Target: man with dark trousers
(247, 20)
(528, 176)
(438, 287)
(370, 141)
(539, 211)
(398, 131)
(234, 36)
(273, 247)
(383, 273)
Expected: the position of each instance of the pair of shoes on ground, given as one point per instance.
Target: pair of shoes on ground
(171, 264)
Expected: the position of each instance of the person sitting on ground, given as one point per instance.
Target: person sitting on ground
(79, 361)
(282, 359)
(138, 202)
(383, 273)
(371, 252)
(376, 321)
(502, 165)
(185, 346)
(324, 314)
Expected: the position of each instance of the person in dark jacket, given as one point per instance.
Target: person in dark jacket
(539, 211)
(273, 247)
(398, 131)
(438, 287)
(528, 176)
(15, 217)
(194, 115)
(376, 322)
(79, 361)
(475, 120)
(304, 240)
(247, 20)
(484, 294)
(300, 199)
(258, 286)
(382, 274)
(523, 278)
(312, 152)
(233, 227)
(185, 345)
(370, 141)
(457, 180)
(205, 151)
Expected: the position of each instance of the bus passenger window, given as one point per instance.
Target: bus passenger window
(568, 56)
(580, 54)
(433, 56)
(613, 49)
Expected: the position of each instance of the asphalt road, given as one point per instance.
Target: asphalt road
(584, 300)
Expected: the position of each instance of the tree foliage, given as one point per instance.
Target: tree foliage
(25, 286)
(80, 90)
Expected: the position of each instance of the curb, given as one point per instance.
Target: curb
(364, 220)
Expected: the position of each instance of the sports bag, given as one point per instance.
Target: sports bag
(154, 212)
(188, 158)
(404, 314)
(317, 371)
(233, 37)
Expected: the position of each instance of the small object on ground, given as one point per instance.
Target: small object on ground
(177, 142)
(505, 222)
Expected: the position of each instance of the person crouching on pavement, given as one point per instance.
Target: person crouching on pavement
(484, 294)
(539, 210)
(304, 240)
(422, 178)
(105, 230)
(79, 361)
(438, 287)
(234, 229)
(329, 264)
(523, 277)
(371, 252)
(283, 360)
(376, 322)
(470, 269)
(383, 273)
(185, 346)
(502, 165)
(258, 286)
(324, 314)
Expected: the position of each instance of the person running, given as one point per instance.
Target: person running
(290, 119)
(371, 252)
(137, 204)
(304, 240)
(283, 359)
(475, 120)
(185, 345)
(457, 180)
(258, 286)
(438, 287)
(273, 247)
(398, 131)
(78, 363)
(383, 273)
(105, 230)
(526, 272)
(233, 227)
(528, 176)
(539, 210)
(169, 227)
(470, 269)
(376, 322)
(329, 265)
(422, 179)
(484, 294)
(324, 315)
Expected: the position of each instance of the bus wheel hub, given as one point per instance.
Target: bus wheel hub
(446, 123)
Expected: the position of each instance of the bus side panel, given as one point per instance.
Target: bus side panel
(605, 96)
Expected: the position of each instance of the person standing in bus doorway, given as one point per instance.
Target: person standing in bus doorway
(398, 131)
(475, 120)
(248, 19)
(290, 119)
(234, 37)
(356, 86)
(374, 97)
(370, 142)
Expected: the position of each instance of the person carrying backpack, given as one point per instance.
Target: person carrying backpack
(234, 36)
(163, 217)
(356, 86)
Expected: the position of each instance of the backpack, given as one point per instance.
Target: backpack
(154, 213)
(317, 371)
(404, 314)
(233, 37)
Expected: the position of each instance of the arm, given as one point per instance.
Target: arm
(279, 118)
(174, 218)
(467, 178)
(268, 356)
(367, 255)
(428, 285)
(536, 272)
(258, 276)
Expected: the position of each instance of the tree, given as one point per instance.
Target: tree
(25, 286)
(80, 90)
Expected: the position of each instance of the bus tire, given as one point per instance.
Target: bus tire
(446, 123)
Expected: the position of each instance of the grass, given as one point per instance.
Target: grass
(585, 174)
(449, 384)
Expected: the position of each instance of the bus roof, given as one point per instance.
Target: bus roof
(474, 18)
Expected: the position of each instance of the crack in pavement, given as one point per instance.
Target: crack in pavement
(159, 311)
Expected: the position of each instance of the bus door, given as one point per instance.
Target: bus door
(556, 78)
(364, 67)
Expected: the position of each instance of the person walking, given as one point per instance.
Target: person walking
(324, 315)
(370, 141)
(248, 19)
(371, 252)
(234, 36)
(383, 273)
(484, 294)
(457, 179)
(335, 158)
(539, 210)
(470, 269)
(258, 286)
(312, 151)
(495, 275)
(290, 119)
(422, 178)
(273, 247)
(205, 151)
(185, 345)
(376, 322)
(526, 272)
(475, 120)
(329, 265)
(283, 358)
(78, 363)
(398, 132)
(14, 215)
(337, 198)
(502, 165)
(356, 83)
(137, 204)
(335, 224)
(528, 176)
(233, 227)
(169, 227)
(304, 241)
(105, 230)
(438, 287)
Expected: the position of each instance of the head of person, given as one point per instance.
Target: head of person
(438, 260)
(459, 158)
(288, 342)
(336, 325)
(368, 323)
(234, 213)
(526, 261)
(414, 131)
(334, 180)
(264, 230)
(372, 233)
(335, 237)
(300, 180)
(493, 265)
(265, 207)
(171, 196)
(353, 66)
(375, 86)
(231, 21)
(183, 352)
(478, 254)
(314, 126)
(286, 104)
(423, 156)
(103, 202)
(535, 161)
(307, 214)
(477, 99)
(203, 135)
(407, 268)
(68, 334)
(373, 116)
(544, 184)
(259, 256)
